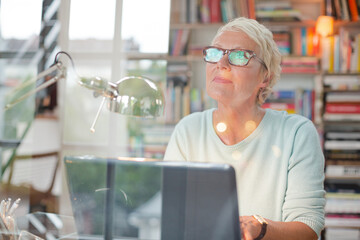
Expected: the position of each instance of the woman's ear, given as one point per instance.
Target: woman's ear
(265, 82)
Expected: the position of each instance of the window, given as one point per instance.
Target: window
(93, 43)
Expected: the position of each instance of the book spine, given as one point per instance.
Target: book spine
(354, 13)
(342, 108)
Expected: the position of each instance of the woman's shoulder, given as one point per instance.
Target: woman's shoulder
(286, 120)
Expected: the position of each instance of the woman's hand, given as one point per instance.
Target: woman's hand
(250, 227)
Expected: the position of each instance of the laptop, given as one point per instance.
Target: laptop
(130, 199)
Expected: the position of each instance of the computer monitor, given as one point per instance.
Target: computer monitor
(153, 199)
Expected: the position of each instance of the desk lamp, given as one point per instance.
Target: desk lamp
(134, 96)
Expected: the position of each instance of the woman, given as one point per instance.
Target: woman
(277, 157)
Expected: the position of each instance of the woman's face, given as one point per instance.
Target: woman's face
(234, 86)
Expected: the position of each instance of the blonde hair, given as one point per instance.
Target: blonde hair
(268, 51)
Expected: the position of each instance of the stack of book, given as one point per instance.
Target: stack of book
(281, 100)
(348, 10)
(177, 92)
(300, 64)
(342, 209)
(298, 101)
(178, 42)
(155, 140)
(276, 11)
(340, 53)
(342, 153)
(342, 233)
(341, 82)
(342, 106)
(207, 11)
(283, 41)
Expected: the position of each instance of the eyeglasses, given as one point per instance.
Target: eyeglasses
(236, 57)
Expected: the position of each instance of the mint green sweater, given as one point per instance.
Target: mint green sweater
(279, 167)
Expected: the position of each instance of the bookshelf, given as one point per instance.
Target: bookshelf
(340, 123)
(302, 59)
(341, 134)
(306, 81)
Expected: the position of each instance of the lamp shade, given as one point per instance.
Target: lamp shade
(137, 96)
(325, 26)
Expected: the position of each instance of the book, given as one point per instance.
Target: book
(215, 11)
(343, 97)
(283, 41)
(343, 135)
(344, 145)
(338, 233)
(342, 108)
(336, 63)
(354, 12)
(343, 170)
(205, 11)
(337, 220)
(340, 156)
(343, 82)
(345, 10)
(288, 107)
(310, 50)
(342, 203)
(300, 64)
(339, 187)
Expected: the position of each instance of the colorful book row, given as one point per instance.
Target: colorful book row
(340, 53)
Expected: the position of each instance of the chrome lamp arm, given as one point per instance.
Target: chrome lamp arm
(134, 96)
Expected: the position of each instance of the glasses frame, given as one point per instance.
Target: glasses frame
(228, 51)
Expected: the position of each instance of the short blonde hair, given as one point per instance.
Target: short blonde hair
(269, 51)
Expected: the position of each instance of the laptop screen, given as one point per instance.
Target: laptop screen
(117, 199)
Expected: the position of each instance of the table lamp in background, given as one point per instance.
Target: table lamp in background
(133, 96)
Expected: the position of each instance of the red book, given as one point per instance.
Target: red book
(353, 10)
(215, 11)
(342, 108)
(251, 6)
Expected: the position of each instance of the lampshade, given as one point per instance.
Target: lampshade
(137, 96)
(325, 26)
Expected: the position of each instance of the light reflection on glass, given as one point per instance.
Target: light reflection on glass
(221, 127)
(276, 150)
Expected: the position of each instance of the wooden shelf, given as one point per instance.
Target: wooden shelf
(339, 226)
(160, 56)
(204, 26)
(213, 26)
(327, 177)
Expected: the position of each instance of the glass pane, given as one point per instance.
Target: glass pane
(93, 21)
(152, 200)
(148, 137)
(146, 28)
(81, 106)
(14, 121)
(20, 22)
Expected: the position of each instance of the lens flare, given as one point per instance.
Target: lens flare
(221, 127)
(236, 155)
(276, 151)
(250, 126)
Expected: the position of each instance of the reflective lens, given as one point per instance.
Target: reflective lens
(213, 55)
(239, 57)
(236, 57)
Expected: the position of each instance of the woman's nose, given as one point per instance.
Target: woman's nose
(223, 63)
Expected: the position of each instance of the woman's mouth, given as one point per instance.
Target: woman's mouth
(221, 80)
